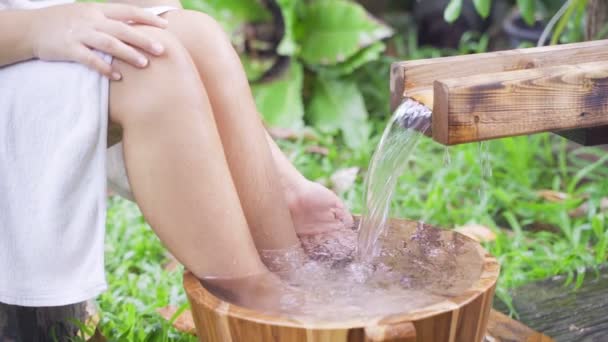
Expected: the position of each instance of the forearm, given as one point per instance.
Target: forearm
(16, 43)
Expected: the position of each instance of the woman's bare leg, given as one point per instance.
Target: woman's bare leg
(252, 165)
(177, 167)
(313, 207)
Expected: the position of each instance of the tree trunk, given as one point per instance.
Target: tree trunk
(597, 14)
(40, 324)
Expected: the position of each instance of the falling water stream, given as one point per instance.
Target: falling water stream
(409, 122)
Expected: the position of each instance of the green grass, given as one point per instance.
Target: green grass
(138, 283)
(439, 193)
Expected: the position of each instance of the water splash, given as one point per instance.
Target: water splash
(418, 266)
(409, 122)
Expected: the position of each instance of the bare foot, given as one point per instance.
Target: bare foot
(315, 209)
(337, 247)
(265, 292)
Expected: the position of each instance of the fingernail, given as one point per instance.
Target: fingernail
(116, 76)
(164, 21)
(158, 48)
(142, 61)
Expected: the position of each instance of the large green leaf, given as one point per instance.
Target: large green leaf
(231, 14)
(527, 8)
(280, 101)
(288, 45)
(332, 31)
(483, 7)
(337, 105)
(369, 54)
(452, 11)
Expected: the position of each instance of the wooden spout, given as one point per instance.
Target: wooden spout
(509, 93)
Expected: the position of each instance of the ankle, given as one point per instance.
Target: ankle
(294, 190)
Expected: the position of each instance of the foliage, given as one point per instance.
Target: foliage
(569, 28)
(527, 8)
(326, 41)
(339, 105)
(281, 100)
(452, 11)
(138, 284)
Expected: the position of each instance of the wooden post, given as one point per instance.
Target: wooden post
(40, 324)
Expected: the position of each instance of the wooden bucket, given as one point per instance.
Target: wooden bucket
(457, 318)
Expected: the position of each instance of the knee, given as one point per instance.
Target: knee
(196, 29)
(168, 84)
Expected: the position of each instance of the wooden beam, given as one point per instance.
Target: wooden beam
(501, 328)
(564, 312)
(411, 76)
(496, 105)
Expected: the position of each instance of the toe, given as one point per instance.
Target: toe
(344, 217)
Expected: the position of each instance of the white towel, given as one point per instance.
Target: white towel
(53, 130)
(25, 4)
(53, 123)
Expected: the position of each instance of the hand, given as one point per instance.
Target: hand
(70, 33)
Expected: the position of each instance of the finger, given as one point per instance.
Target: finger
(114, 47)
(131, 36)
(84, 55)
(132, 14)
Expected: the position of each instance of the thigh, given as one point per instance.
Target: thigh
(169, 80)
(114, 128)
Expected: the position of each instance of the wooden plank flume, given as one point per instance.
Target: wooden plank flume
(508, 93)
(457, 317)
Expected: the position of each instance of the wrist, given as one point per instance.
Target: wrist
(32, 34)
(18, 35)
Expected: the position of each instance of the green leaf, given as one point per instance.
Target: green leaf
(483, 7)
(561, 24)
(280, 101)
(288, 45)
(332, 31)
(231, 14)
(527, 8)
(337, 105)
(452, 11)
(369, 54)
(255, 67)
